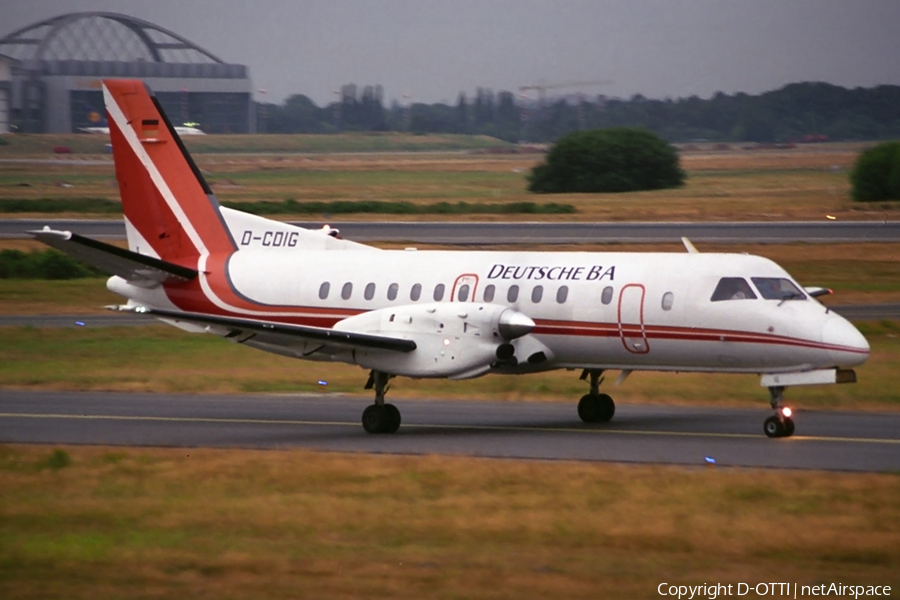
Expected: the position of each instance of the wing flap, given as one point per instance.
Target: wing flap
(129, 265)
(285, 333)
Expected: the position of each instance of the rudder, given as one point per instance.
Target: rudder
(170, 211)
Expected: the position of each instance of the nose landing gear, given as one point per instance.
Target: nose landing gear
(780, 424)
(380, 417)
(595, 407)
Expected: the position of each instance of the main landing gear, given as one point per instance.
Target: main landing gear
(595, 407)
(380, 417)
(780, 424)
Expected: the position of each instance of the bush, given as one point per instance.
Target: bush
(607, 160)
(47, 264)
(876, 174)
(344, 207)
(59, 205)
(58, 459)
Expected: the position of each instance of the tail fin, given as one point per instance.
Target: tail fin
(170, 211)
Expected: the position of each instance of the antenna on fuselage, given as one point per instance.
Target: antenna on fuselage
(689, 246)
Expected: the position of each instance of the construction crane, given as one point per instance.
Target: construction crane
(542, 87)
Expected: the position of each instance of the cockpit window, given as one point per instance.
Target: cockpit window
(777, 288)
(733, 288)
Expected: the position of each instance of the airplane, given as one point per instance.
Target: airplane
(311, 295)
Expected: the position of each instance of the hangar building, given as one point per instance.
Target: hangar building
(50, 75)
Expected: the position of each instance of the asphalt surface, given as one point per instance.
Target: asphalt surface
(540, 233)
(842, 441)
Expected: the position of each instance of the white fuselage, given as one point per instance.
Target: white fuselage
(591, 310)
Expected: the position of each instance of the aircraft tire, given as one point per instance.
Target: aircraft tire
(788, 427)
(773, 427)
(589, 408)
(598, 408)
(607, 408)
(374, 419)
(392, 422)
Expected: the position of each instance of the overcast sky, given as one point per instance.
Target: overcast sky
(433, 49)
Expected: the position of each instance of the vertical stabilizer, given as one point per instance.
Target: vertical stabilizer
(170, 211)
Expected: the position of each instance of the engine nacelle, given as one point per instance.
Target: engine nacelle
(456, 340)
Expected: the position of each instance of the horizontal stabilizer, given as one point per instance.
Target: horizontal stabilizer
(286, 334)
(129, 265)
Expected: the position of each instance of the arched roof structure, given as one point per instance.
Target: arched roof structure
(58, 65)
(101, 36)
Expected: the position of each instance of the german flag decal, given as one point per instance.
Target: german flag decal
(150, 128)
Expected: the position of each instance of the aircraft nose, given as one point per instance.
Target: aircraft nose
(846, 344)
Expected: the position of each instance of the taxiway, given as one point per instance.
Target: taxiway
(482, 233)
(694, 435)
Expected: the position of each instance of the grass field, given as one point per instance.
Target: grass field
(85, 523)
(42, 145)
(164, 359)
(805, 183)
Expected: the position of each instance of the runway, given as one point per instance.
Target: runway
(478, 233)
(844, 441)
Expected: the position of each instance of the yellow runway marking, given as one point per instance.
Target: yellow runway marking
(173, 419)
(498, 428)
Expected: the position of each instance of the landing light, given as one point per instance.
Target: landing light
(786, 411)
(446, 342)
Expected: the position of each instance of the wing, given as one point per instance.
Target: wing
(131, 266)
(284, 334)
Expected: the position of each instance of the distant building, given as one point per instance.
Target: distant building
(6, 64)
(50, 75)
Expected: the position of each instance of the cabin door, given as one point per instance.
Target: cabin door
(464, 288)
(631, 319)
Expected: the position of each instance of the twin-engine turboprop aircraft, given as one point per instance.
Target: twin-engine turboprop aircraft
(456, 315)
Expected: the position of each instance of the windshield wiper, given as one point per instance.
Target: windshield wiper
(791, 296)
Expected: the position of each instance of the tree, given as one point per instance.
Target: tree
(607, 160)
(299, 114)
(462, 113)
(507, 117)
(876, 174)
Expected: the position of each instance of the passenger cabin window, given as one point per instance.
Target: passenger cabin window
(513, 294)
(462, 294)
(392, 291)
(324, 289)
(668, 300)
(347, 290)
(606, 295)
(562, 294)
(537, 293)
(733, 288)
(777, 288)
(438, 292)
(369, 292)
(489, 293)
(415, 292)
